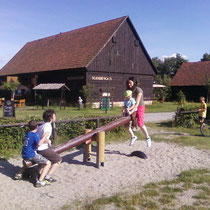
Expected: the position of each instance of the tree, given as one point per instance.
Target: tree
(206, 57)
(168, 66)
(11, 86)
(87, 91)
(163, 93)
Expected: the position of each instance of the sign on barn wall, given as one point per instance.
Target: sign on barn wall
(101, 78)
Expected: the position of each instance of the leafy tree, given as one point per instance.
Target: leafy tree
(206, 57)
(163, 93)
(87, 91)
(168, 66)
(156, 62)
(11, 86)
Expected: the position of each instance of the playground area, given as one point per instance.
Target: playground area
(83, 181)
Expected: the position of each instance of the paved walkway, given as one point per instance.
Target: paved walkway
(161, 116)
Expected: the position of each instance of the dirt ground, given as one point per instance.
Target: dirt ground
(78, 181)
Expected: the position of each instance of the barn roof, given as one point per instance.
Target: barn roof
(192, 74)
(68, 50)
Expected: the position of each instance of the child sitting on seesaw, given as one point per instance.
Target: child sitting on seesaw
(128, 109)
(30, 144)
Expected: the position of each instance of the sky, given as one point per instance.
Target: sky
(165, 27)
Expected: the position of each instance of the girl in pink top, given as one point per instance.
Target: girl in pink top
(139, 97)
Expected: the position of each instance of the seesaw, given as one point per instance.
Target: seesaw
(97, 135)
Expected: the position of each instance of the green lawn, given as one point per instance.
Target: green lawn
(179, 135)
(73, 112)
(160, 195)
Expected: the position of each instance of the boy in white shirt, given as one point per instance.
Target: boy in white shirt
(45, 149)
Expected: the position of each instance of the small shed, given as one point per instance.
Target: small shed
(53, 86)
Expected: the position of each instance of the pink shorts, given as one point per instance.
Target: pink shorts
(140, 115)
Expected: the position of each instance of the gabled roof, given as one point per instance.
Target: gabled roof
(50, 86)
(192, 74)
(73, 49)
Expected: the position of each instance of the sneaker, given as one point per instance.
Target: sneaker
(149, 142)
(133, 139)
(41, 183)
(49, 179)
(18, 176)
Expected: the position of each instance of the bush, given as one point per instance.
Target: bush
(162, 94)
(11, 138)
(187, 120)
(71, 130)
(181, 98)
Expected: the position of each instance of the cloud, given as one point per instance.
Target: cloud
(174, 55)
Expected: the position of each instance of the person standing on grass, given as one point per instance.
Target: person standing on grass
(138, 95)
(45, 149)
(202, 111)
(80, 103)
(30, 144)
(129, 104)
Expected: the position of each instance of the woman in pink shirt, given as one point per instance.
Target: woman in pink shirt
(139, 97)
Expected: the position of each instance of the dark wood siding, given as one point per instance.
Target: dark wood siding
(125, 55)
(74, 79)
(115, 84)
(122, 57)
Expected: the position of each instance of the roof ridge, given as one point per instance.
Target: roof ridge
(197, 62)
(61, 33)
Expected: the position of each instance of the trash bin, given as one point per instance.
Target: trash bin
(105, 103)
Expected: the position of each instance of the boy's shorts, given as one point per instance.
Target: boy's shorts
(140, 116)
(51, 155)
(201, 118)
(39, 159)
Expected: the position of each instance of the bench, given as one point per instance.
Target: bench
(1, 101)
(20, 103)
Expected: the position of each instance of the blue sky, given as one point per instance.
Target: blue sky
(164, 26)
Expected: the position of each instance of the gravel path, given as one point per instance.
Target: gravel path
(163, 116)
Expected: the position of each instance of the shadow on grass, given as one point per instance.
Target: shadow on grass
(168, 124)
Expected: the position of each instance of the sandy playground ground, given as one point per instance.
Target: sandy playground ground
(76, 180)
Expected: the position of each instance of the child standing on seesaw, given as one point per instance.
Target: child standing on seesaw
(202, 111)
(129, 104)
(30, 144)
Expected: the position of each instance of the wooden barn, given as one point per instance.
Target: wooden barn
(104, 55)
(191, 78)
